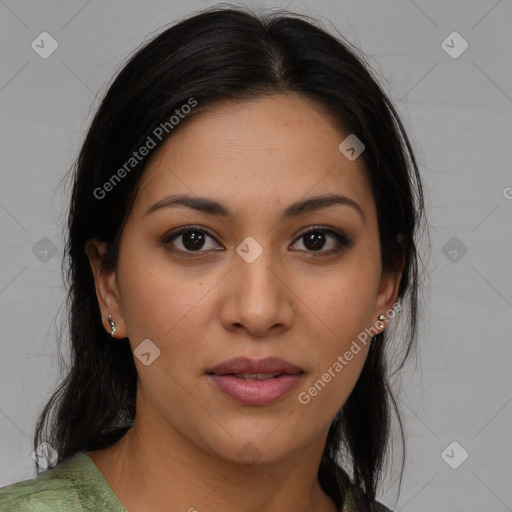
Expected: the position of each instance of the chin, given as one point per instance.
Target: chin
(257, 447)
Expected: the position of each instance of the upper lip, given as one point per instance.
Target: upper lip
(246, 365)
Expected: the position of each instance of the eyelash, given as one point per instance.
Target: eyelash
(340, 237)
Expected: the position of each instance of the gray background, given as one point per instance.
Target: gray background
(458, 114)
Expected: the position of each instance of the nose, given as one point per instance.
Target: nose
(256, 297)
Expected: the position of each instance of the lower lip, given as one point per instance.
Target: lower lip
(256, 392)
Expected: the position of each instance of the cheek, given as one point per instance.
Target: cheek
(337, 354)
(339, 312)
(344, 300)
(164, 305)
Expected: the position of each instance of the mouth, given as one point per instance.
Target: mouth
(251, 382)
(257, 376)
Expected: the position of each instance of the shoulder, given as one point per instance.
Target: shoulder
(61, 488)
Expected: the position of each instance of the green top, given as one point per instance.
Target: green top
(74, 485)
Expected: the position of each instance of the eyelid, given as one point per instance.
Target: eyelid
(326, 228)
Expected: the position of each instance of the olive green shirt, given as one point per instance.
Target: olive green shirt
(74, 485)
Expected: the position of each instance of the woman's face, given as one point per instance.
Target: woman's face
(245, 281)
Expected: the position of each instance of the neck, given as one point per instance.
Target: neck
(158, 469)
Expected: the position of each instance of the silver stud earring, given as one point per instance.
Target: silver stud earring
(112, 325)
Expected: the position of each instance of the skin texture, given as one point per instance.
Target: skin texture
(256, 158)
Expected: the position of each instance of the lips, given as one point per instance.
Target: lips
(250, 382)
(245, 366)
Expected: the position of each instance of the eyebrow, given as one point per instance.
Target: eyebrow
(212, 207)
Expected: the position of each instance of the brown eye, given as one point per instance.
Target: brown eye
(324, 241)
(193, 240)
(190, 240)
(315, 240)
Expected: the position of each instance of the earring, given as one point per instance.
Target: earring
(112, 325)
(381, 320)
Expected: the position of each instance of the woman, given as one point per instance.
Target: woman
(241, 234)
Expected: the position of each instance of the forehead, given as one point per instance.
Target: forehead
(274, 149)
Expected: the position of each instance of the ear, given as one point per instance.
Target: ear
(107, 292)
(389, 285)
